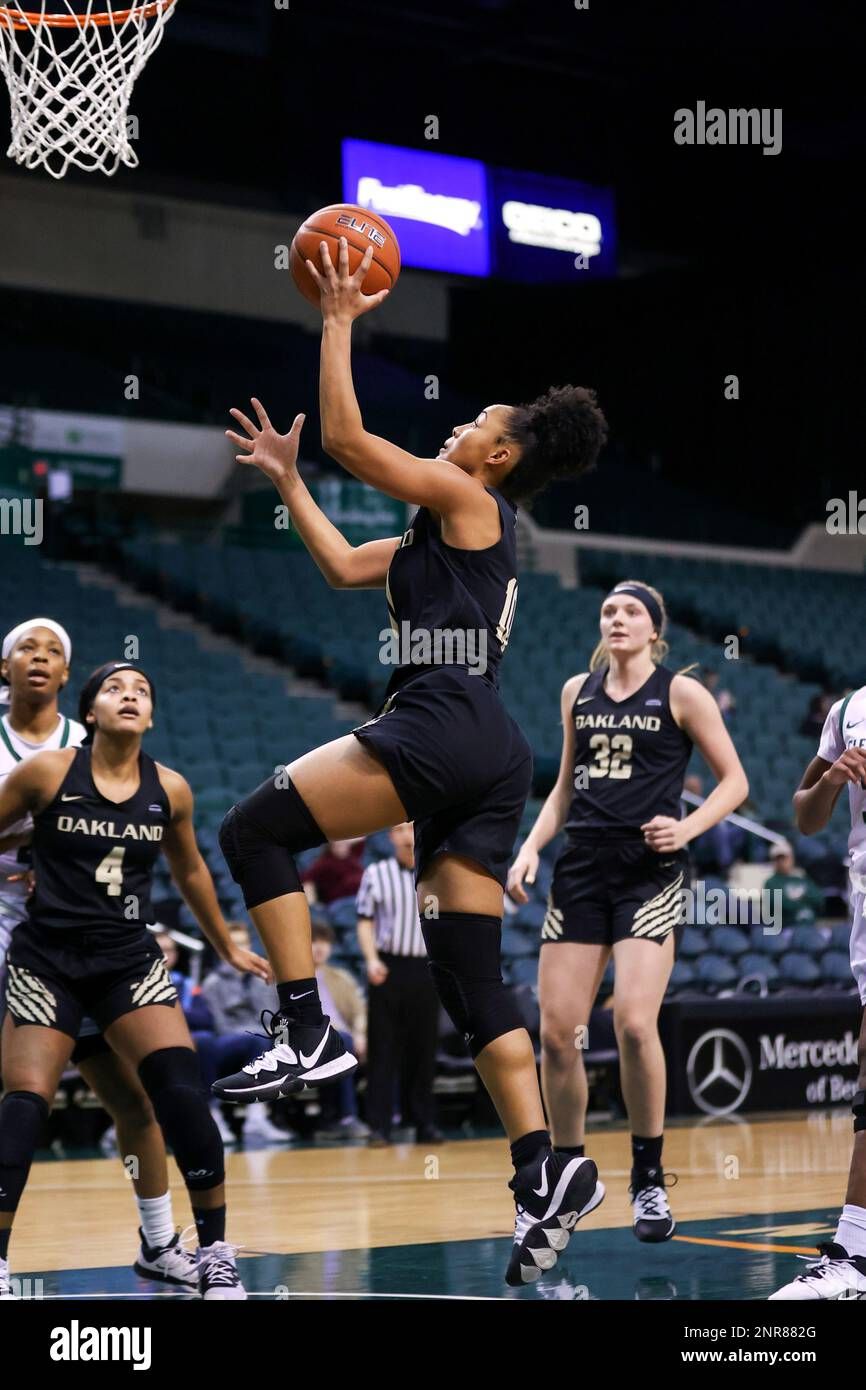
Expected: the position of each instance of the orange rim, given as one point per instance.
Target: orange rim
(24, 19)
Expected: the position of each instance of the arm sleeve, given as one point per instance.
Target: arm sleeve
(832, 744)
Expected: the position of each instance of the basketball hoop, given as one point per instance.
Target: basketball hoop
(70, 76)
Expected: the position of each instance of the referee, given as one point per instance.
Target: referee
(403, 1007)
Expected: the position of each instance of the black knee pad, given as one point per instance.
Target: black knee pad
(258, 837)
(172, 1078)
(858, 1105)
(465, 961)
(22, 1119)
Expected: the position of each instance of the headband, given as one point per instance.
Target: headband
(12, 637)
(94, 683)
(650, 604)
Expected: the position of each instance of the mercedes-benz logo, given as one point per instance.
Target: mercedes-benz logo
(719, 1059)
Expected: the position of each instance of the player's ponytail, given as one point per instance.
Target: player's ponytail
(560, 435)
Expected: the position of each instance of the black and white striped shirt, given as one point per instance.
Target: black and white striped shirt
(387, 896)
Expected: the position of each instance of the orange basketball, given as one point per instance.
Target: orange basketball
(361, 228)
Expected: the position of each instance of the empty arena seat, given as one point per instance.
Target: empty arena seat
(796, 968)
(682, 975)
(728, 941)
(752, 963)
(835, 968)
(694, 943)
(714, 970)
(770, 943)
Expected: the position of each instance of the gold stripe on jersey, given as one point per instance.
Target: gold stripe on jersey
(28, 999)
(660, 914)
(551, 927)
(155, 988)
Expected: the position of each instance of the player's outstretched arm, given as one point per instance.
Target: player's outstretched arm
(192, 877)
(344, 566)
(433, 483)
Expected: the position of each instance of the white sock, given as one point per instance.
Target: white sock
(157, 1221)
(851, 1231)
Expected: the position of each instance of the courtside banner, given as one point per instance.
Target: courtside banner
(732, 1056)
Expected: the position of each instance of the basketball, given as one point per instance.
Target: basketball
(361, 229)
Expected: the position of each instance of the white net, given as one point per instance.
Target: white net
(70, 71)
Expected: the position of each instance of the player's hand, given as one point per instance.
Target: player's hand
(341, 295)
(377, 972)
(850, 767)
(248, 963)
(525, 867)
(275, 455)
(664, 834)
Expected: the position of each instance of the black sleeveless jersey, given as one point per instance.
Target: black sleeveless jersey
(630, 757)
(449, 606)
(93, 859)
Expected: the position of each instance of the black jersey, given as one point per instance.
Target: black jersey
(630, 757)
(449, 606)
(93, 859)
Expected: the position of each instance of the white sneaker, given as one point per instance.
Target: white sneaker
(227, 1134)
(652, 1218)
(218, 1276)
(835, 1274)
(6, 1282)
(259, 1125)
(171, 1264)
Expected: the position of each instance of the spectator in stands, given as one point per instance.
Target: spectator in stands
(195, 1008)
(819, 707)
(404, 1006)
(336, 873)
(725, 699)
(802, 899)
(234, 1037)
(717, 849)
(346, 1007)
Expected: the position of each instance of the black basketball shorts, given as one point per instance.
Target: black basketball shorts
(609, 890)
(459, 763)
(56, 977)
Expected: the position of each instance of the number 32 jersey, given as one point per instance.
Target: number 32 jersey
(630, 757)
(93, 859)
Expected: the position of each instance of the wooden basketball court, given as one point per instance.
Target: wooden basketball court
(349, 1222)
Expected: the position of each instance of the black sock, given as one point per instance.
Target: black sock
(299, 1001)
(573, 1150)
(210, 1222)
(529, 1147)
(646, 1154)
(4, 1243)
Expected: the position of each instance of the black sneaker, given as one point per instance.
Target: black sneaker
(551, 1196)
(653, 1219)
(301, 1055)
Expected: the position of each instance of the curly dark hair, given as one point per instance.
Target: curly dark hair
(560, 434)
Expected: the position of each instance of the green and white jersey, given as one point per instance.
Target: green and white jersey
(845, 727)
(13, 750)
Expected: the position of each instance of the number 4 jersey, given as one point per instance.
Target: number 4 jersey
(93, 859)
(630, 757)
